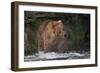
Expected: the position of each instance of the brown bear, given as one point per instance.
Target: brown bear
(50, 36)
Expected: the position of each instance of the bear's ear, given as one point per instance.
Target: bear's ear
(59, 21)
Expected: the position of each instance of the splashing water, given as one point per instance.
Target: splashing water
(41, 56)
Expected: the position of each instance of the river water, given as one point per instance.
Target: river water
(41, 56)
